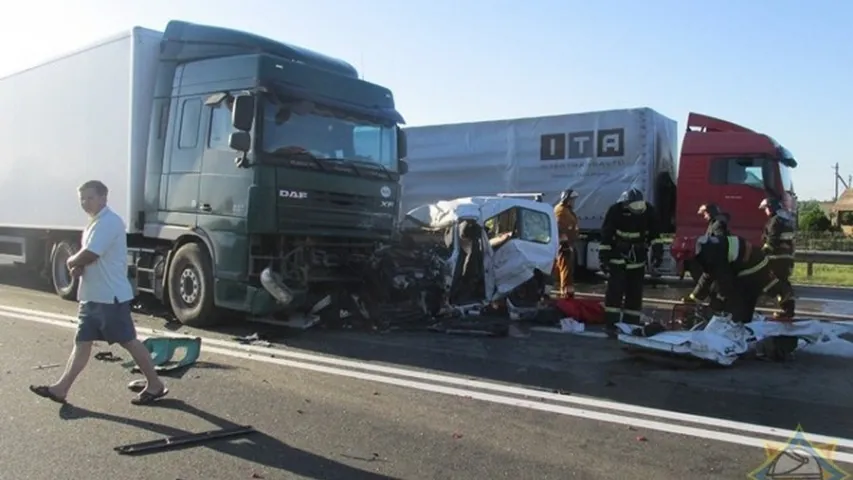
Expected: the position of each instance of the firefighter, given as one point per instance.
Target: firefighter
(718, 225)
(718, 221)
(742, 274)
(567, 227)
(630, 225)
(778, 242)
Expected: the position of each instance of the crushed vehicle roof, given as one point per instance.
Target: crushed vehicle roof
(444, 213)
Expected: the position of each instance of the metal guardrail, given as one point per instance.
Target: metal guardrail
(810, 257)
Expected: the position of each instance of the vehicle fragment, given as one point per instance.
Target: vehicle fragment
(182, 440)
(163, 352)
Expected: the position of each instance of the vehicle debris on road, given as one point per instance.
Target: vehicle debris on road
(714, 337)
(182, 440)
(253, 339)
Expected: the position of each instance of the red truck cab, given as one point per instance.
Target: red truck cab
(733, 167)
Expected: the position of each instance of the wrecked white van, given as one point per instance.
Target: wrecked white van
(490, 247)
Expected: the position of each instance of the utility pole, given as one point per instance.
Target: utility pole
(840, 179)
(835, 199)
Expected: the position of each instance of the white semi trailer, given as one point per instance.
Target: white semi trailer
(598, 154)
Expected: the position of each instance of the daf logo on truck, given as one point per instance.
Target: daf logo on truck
(294, 194)
(588, 144)
(385, 191)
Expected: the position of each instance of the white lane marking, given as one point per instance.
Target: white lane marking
(501, 400)
(70, 322)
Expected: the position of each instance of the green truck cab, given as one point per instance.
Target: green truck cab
(272, 173)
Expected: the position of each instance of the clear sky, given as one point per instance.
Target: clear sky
(783, 67)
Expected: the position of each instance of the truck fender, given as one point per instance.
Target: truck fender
(180, 236)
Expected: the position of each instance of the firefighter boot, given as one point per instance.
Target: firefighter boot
(612, 316)
(787, 304)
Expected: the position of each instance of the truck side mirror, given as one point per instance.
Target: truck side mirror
(243, 112)
(240, 141)
(402, 144)
(402, 167)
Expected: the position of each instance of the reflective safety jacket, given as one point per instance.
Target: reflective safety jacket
(626, 235)
(778, 237)
(725, 260)
(567, 223)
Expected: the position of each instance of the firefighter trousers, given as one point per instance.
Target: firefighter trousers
(782, 268)
(623, 299)
(749, 290)
(782, 289)
(565, 263)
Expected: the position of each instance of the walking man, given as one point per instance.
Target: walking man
(104, 297)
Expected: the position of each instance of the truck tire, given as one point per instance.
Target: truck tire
(60, 276)
(190, 286)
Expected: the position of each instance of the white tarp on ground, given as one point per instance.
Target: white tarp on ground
(722, 341)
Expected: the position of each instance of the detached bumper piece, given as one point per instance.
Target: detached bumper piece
(182, 440)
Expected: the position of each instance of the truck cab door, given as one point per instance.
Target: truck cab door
(183, 168)
(223, 189)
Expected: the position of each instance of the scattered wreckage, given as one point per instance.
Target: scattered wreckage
(706, 336)
(474, 257)
(475, 264)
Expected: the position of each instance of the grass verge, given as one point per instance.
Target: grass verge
(831, 275)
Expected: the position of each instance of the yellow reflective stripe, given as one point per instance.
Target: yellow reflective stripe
(624, 234)
(603, 247)
(787, 236)
(767, 246)
(734, 246)
(753, 269)
(632, 312)
(613, 309)
(771, 284)
(660, 241)
(617, 261)
(781, 257)
(635, 265)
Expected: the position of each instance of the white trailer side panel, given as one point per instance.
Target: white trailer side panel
(599, 154)
(82, 116)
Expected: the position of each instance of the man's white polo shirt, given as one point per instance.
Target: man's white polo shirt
(105, 279)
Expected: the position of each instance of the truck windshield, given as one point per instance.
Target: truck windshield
(327, 134)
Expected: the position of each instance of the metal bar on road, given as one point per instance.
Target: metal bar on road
(182, 440)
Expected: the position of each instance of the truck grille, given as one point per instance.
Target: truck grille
(336, 213)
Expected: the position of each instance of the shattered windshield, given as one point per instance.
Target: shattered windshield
(297, 126)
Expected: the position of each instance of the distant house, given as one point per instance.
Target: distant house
(842, 212)
(827, 208)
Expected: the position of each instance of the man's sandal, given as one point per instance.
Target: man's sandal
(44, 392)
(147, 398)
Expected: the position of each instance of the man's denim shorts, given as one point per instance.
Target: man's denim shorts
(105, 322)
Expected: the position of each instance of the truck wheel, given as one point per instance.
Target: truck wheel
(191, 287)
(60, 276)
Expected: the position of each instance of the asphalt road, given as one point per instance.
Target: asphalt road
(316, 423)
(313, 425)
